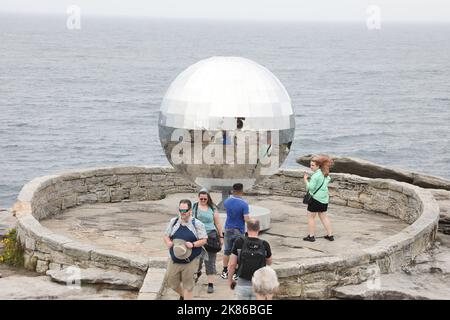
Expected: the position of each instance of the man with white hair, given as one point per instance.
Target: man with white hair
(265, 283)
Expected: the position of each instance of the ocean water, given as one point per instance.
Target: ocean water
(90, 97)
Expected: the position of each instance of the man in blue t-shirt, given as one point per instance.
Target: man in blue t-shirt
(237, 215)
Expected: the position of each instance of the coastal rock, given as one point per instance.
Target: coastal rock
(394, 287)
(427, 277)
(41, 288)
(111, 279)
(369, 169)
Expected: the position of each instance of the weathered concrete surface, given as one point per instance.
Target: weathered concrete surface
(47, 197)
(8, 271)
(109, 278)
(427, 277)
(137, 227)
(369, 169)
(41, 288)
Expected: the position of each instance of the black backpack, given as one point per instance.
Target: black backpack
(251, 258)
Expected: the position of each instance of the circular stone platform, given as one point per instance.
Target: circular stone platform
(137, 227)
(113, 218)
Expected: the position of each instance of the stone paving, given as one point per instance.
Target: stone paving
(137, 227)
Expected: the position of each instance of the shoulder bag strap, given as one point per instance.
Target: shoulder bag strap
(320, 185)
(195, 209)
(173, 225)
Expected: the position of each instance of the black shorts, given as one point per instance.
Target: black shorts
(316, 206)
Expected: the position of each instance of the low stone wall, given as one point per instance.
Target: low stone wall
(316, 277)
(47, 196)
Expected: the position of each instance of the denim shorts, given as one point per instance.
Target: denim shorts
(244, 293)
(230, 236)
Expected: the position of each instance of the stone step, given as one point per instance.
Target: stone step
(108, 278)
(153, 284)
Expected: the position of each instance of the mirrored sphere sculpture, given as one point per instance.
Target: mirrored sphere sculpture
(225, 120)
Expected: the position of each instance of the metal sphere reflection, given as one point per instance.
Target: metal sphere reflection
(225, 120)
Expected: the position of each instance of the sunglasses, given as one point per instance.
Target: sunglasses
(204, 199)
(183, 210)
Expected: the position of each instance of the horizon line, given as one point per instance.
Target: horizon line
(222, 19)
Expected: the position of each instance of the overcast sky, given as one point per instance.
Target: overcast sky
(289, 10)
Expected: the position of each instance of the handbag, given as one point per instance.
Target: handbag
(213, 242)
(307, 199)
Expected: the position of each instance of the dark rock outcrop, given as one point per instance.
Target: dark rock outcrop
(369, 169)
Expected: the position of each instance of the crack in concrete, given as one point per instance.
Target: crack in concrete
(301, 247)
(292, 246)
(279, 235)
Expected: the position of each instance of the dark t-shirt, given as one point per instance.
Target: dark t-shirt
(238, 246)
(240, 241)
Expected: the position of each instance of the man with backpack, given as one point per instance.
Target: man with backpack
(237, 214)
(185, 236)
(250, 254)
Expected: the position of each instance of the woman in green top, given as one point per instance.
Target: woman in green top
(206, 211)
(318, 188)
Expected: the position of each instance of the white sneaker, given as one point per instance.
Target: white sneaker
(224, 275)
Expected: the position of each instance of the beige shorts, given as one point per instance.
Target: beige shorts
(182, 273)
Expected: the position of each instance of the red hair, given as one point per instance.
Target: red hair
(324, 163)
